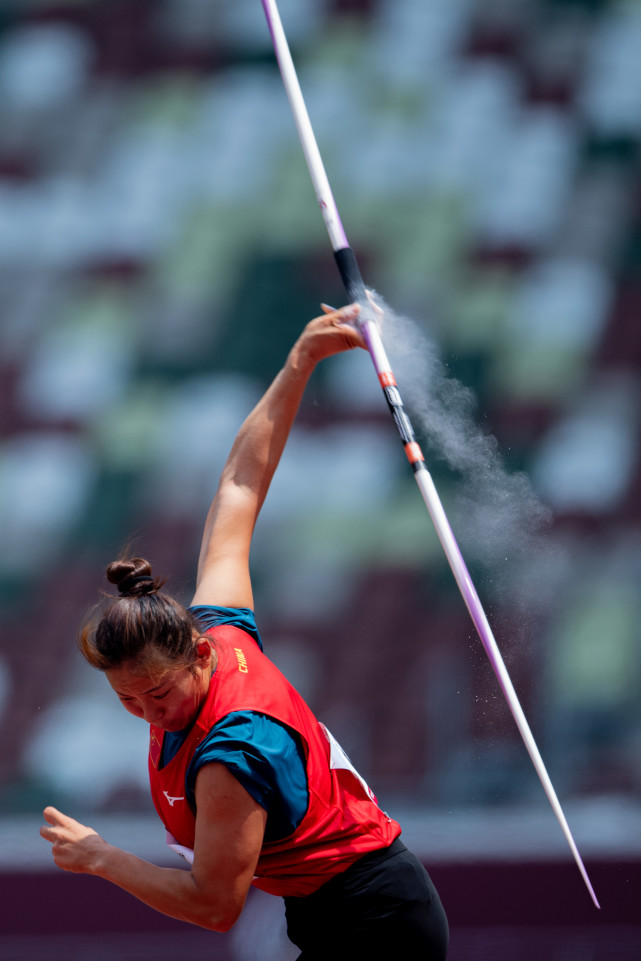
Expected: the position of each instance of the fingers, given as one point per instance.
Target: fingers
(341, 322)
(370, 296)
(332, 332)
(375, 307)
(53, 816)
(57, 823)
(54, 819)
(348, 314)
(73, 845)
(343, 314)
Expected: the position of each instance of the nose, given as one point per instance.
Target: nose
(154, 715)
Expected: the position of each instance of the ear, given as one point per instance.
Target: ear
(203, 649)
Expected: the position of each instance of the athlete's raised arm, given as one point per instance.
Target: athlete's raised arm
(223, 570)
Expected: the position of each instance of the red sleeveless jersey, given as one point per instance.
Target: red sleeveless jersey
(342, 822)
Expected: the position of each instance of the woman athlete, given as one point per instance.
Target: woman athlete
(252, 789)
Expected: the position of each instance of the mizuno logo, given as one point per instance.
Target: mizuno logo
(172, 800)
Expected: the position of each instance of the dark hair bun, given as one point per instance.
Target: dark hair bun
(132, 577)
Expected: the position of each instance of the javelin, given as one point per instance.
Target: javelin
(356, 291)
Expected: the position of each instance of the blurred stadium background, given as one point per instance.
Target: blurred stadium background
(160, 246)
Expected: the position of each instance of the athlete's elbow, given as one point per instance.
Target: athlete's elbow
(225, 924)
(216, 914)
(222, 920)
(216, 906)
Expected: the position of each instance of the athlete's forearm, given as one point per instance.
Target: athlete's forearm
(261, 440)
(186, 895)
(252, 462)
(172, 891)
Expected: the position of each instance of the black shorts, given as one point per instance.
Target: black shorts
(383, 906)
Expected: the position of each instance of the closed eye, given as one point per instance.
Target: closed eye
(159, 697)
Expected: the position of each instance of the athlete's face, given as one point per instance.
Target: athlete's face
(170, 702)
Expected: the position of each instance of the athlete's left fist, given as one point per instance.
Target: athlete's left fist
(74, 846)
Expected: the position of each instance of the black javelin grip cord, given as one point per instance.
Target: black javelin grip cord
(357, 293)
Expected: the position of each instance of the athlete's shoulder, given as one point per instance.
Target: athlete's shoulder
(210, 617)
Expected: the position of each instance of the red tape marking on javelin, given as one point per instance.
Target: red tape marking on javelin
(414, 453)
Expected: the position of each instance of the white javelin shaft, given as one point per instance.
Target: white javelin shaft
(354, 284)
(303, 125)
